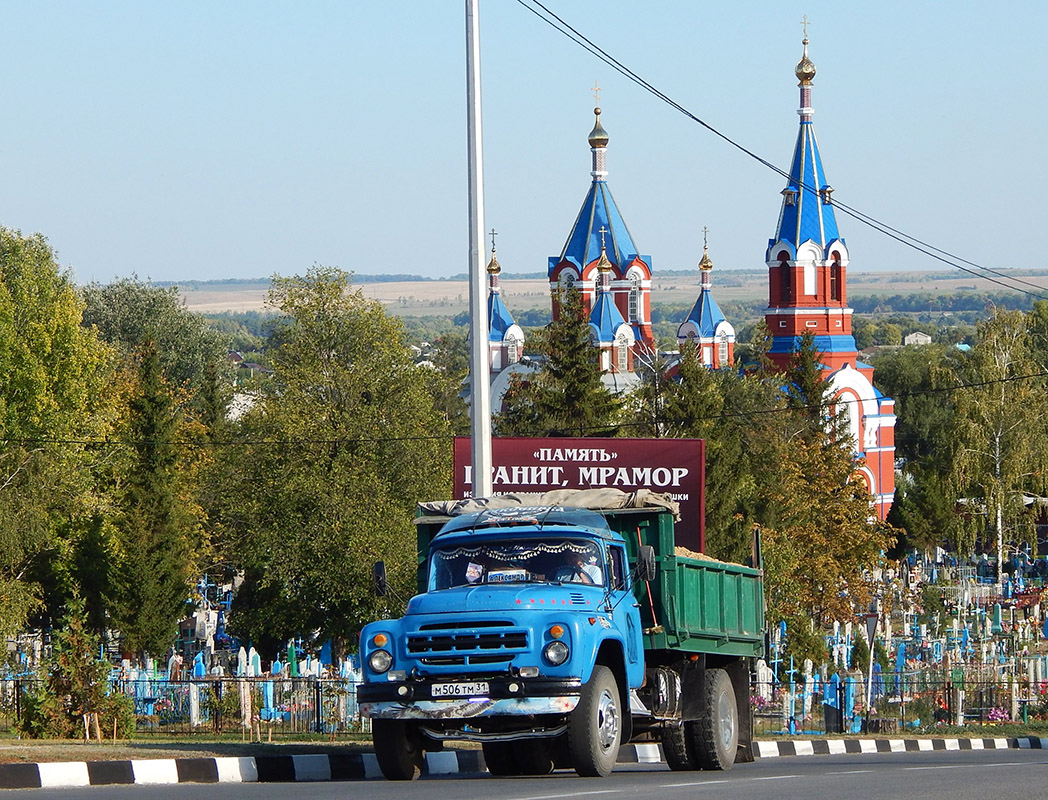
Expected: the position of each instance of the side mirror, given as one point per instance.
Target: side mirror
(646, 563)
(379, 573)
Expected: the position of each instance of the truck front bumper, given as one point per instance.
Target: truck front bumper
(506, 697)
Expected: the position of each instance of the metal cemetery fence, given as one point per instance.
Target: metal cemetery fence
(273, 708)
(266, 708)
(902, 704)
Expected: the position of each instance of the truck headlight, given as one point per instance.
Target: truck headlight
(556, 653)
(380, 661)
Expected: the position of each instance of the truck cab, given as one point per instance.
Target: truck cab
(521, 606)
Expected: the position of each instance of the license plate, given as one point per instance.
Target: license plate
(474, 689)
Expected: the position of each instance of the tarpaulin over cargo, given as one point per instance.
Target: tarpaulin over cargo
(593, 499)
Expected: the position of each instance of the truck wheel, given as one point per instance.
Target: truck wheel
(397, 749)
(676, 744)
(595, 726)
(534, 757)
(715, 735)
(499, 758)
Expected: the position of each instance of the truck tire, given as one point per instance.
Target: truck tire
(499, 758)
(534, 757)
(676, 744)
(715, 735)
(397, 749)
(595, 726)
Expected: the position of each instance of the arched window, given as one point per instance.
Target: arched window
(622, 352)
(785, 284)
(722, 354)
(512, 356)
(634, 298)
(835, 277)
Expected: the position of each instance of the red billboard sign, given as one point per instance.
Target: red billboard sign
(672, 466)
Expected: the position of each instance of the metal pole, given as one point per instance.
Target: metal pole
(479, 370)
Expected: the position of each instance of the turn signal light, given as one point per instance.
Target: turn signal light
(556, 631)
(380, 639)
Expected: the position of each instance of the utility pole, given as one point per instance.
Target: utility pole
(479, 369)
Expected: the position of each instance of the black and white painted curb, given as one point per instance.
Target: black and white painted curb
(364, 766)
(833, 747)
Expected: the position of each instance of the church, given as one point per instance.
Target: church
(807, 264)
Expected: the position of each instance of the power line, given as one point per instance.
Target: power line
(325, 442)
(559, 24)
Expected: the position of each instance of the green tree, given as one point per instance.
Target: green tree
(332, 459)
(1002, 414)
(566, 397)
(75, 684)
(159, 538)
(129, 312)
(52, 403)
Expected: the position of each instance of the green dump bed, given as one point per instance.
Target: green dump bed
(696, 605)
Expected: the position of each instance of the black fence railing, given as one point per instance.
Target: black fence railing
(902, 704)
(281, 707)
(260, 707)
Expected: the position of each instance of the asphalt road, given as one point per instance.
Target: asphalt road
(976, 775)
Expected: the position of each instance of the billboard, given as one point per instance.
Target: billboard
(672, 466)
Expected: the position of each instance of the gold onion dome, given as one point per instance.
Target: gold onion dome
(805, 68)
(603, 264)
(494, 268)
(706, 264)
(598, 137)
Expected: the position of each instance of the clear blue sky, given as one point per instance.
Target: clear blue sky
(199, 140)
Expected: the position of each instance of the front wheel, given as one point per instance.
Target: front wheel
(595, 726)
(715, 735)
(397, 748)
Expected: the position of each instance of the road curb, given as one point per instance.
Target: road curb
(364, 766)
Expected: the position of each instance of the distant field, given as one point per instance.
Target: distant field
(422, 298)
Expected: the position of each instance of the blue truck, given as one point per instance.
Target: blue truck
(552, 629)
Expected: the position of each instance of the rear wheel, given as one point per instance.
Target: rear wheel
(676, 744)
(398, 749)
(595, 726)
(715, 735)
(534, 757)
(499, 758)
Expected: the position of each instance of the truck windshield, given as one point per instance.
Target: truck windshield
(517, 561)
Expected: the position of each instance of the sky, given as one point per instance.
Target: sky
(208, 140)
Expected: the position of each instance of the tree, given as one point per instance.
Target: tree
(566, 397)
(1002, 413)
(820, 542)
(52, 403)
(128, 313)
(329, 465)
(160, 542)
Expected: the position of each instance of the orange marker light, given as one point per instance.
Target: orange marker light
(380, 639)
(556, 631)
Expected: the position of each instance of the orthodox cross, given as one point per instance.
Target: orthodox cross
(804, 22)
(602, 231)
(596, 92)
(493, 235)
(705, 231)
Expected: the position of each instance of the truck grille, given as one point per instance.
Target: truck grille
(455, 646)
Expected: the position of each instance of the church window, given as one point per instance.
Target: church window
(790, 196)
(835, 277)
(722, 355)
(622, 353)
(785, 290)
(634, 298)
(511, 351)
(825, 192)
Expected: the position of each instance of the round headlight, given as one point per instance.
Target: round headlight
(556, 653)
(380, 661)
